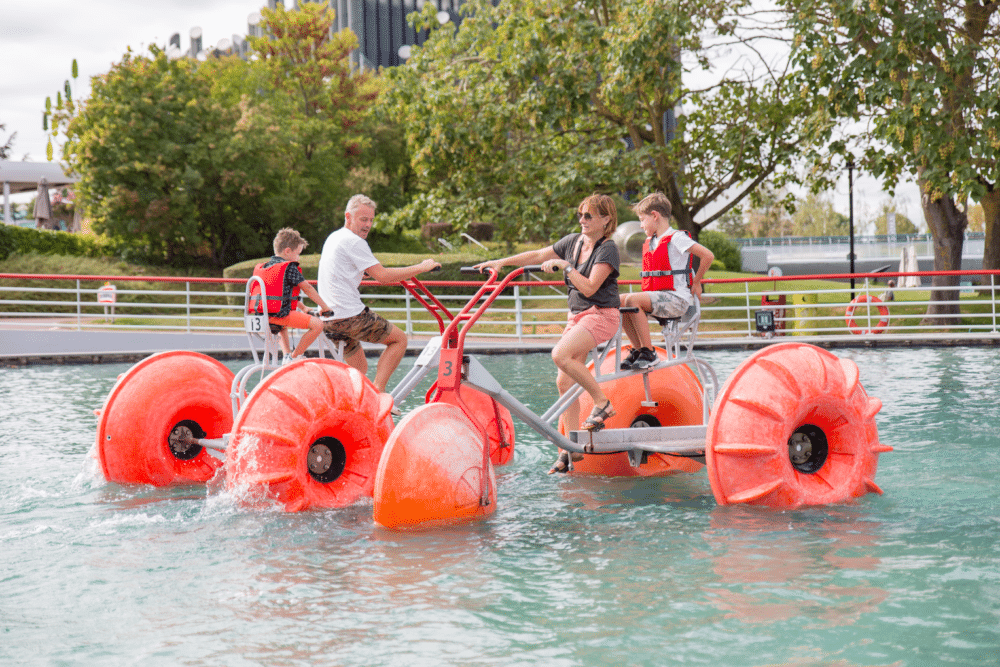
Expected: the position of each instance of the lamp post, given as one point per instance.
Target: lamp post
(850, 197)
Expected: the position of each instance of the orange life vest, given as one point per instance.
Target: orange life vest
(274, 284)
(657, 274)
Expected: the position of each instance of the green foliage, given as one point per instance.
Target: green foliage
(924, 77)
(16, 240)
(8, 145)
(159, 162)
(309, 115)
(395, 243)
(206, 161)
(815, 216)
(725, 251)
(529, 106)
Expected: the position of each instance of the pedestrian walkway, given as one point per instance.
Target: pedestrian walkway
(51, 342)
(41, 344)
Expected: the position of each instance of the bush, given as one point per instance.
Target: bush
(27, 241)
(23, 241)
(725, 250)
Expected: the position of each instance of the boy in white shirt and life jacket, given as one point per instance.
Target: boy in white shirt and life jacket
(282, 283)
(668, 282)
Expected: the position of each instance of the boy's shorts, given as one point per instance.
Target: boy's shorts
(296, 319)
(366, 326)
(601, 323)
(667, 304)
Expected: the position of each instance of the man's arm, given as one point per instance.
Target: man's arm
(395, 274)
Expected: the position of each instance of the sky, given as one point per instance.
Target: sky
(38, 43)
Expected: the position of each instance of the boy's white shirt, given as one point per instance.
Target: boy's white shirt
(680, 246)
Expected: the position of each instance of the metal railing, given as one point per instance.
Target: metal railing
(778, 241)
(815, 306)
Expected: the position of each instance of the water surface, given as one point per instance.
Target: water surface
(567, 572)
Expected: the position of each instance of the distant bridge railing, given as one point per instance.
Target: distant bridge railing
(816, 306)
(845, 240)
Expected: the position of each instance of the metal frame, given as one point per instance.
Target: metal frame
(686, 441)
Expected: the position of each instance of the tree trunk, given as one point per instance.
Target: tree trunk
(991, 251)
(947, 226)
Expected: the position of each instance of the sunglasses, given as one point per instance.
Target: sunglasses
(585, 216)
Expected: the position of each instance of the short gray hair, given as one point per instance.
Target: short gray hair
(359, 200)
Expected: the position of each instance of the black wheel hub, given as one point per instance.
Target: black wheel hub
(645, 421)
(808, 448)
(181, 439)
(327, 460)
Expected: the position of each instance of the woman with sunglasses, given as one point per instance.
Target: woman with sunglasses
(589, 261)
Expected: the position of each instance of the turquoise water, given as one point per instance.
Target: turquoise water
(567, 572)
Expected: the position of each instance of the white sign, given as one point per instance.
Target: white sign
(255, 324)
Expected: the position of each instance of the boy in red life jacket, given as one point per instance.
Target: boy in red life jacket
(668, 282)
(283, 281)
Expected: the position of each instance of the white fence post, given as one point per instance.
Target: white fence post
(517, 310)
(79, 306)
(993, 300)
(746, 288)
(409, 318)
(187, 301)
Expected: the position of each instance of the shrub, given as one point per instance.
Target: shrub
(723, 248)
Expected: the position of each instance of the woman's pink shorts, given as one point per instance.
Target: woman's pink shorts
(601, 323)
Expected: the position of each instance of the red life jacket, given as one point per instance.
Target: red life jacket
(274, 284)
(657, 274)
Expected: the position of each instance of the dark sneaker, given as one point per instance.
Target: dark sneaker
(646, 358)
(629, 362)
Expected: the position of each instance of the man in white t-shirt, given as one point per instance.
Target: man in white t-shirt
(668, 282)
(345, 259)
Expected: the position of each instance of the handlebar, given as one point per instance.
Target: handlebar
(526, 269)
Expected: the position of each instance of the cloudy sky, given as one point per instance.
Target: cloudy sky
(38, 43)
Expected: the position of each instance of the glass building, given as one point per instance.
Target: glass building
(382, 28)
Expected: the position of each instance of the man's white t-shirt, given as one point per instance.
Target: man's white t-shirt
(342, 265)
(680, 245)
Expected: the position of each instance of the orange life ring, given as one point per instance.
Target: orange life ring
(168, 392)
(883, 314)
(491, 417)
(309, 435)
(434, 471)
(679, 394)
(793, 426)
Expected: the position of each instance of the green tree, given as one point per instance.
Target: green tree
(530, 105)
(977, 218)
(903, 224)
(314, 108)
(725, 251)
(159, 162)
(7, 146)
(814, 216)
(767, 213)
(924, 75)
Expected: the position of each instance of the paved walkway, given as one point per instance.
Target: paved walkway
(53, 342)
(48, 343)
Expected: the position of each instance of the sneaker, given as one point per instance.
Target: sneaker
(286, 359)
(647, 358)
(629, 362)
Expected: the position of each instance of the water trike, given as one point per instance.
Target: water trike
(792, 426)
